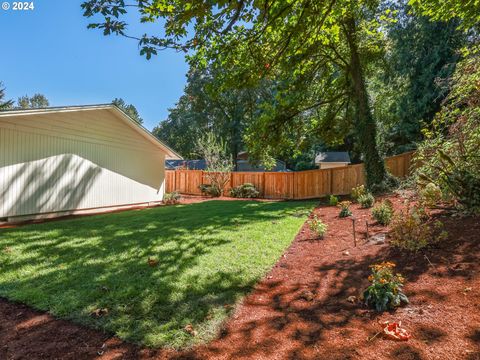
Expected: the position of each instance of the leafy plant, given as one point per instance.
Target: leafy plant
(366, 200)
(449, 156)
(385, 291)
(333, 200)
(411, 232)
(430, 195)
(246, 190)
(345, 209)
(210, 190)
(383, 212)
(317, 226)
(357, 192)
(171, 198)
(219, 164)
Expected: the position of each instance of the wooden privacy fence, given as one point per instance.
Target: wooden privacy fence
(290, 185)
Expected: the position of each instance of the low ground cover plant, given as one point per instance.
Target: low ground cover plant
(383, 212)
(366, 200)
(410, 230)
(172, 198)
(358, 191)
(246, 190)
(345, 209)
(317, 226)
(333, 200)
(385, 291)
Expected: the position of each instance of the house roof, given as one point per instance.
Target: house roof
(189, 164)
(171, 154)
(332, 156)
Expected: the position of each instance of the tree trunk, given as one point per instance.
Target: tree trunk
(366, 128)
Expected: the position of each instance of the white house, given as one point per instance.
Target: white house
(75, 159)
(332, 159)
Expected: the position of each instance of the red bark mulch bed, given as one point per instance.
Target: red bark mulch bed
(300, 310)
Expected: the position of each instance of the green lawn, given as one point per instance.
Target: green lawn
(209, 254)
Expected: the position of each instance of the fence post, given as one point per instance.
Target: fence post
(331, 182)
(294, 186)
(263, 183)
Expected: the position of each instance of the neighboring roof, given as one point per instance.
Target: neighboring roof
(241, 165)
(242, 155)
(245, 165)
(110, 107)
(332, 156)
(185, 164)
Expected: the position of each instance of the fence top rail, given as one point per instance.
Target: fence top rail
(400, 155)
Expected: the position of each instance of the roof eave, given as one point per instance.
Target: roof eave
(171, 154)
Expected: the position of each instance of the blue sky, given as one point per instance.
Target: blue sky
(49, 50)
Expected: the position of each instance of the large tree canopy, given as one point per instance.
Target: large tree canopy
(408, 90)
(202, 109)
(468, 11)
(317, 54)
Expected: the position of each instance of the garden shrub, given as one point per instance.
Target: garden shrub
(383, 212)
(345, 209)
(333, 200)
(449, 156)
(246, 190)
(357, 192)
(317, 226)
(171, 198)
(411, 232)
(430, 195)
(210, 190)
(366, 200)
(385, 291)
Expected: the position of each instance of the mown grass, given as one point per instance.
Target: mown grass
(209, 255)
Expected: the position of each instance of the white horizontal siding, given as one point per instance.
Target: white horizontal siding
(72, 161)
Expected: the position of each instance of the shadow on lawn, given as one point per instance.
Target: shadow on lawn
(75, 266)
(280, 323)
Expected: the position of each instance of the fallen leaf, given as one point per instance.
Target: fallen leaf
(394, 331)
(98, 313)
(190, 330)
(352, 299)
(152, 262)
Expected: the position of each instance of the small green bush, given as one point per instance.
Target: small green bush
(333, 200)
(317, 226)
(410, 231)
(357, 192)
(385, 291)
(383, 212)
(246, 190)
(366, 200)
(430, 195)
(171, 198)
(210, 190)
(345, 209)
